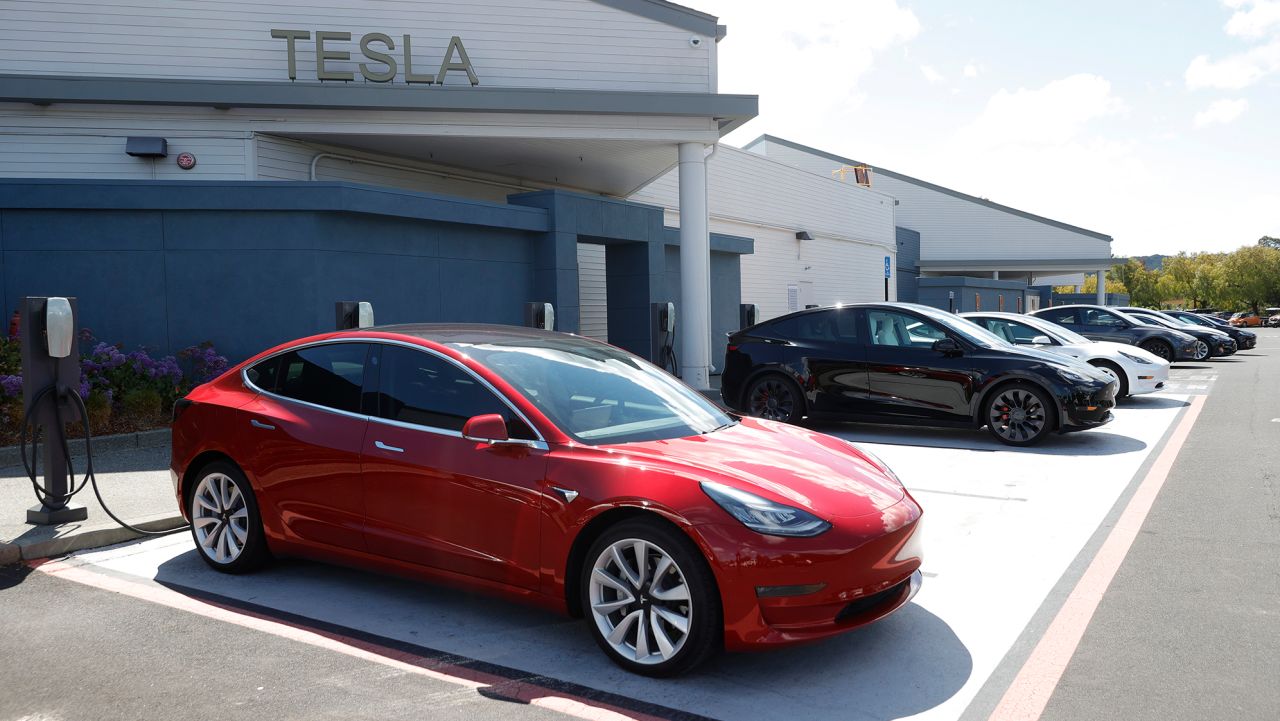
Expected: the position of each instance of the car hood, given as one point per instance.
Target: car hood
(1112, 349)
(786, 463)
(1056, 360)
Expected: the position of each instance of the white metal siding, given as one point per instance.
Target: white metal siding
(99, 153)
(593, 294)
(511, 43)
(839, 271)
(953, 228)
(749, 188)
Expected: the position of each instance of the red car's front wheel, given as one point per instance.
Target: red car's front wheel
(651, 600)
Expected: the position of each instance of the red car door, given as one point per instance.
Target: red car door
(304, 433)
(437, 499)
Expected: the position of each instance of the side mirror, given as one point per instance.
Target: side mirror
(489, 428)
(947, 346)
(1041, 340)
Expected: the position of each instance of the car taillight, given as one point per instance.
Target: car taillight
(733, 348)
(179, 406)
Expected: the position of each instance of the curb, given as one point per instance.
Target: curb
(83, 538)
(12, 456)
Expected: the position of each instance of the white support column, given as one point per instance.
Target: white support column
(1102, 287)
(695, 269)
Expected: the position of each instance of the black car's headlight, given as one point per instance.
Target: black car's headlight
(1076, 377)
(762, 515)
(1136, 359)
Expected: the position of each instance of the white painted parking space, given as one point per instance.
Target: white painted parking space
(1001, 527)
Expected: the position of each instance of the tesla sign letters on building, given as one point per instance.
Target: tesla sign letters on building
(375, 47)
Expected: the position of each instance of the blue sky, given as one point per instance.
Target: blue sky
(1155, 122)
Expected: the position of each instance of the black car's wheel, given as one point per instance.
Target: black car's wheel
(1117, 373)
(1020, 415)
(775, 398)
(1158, 348)
(651, 602)
(1202, 351)
(225, 522)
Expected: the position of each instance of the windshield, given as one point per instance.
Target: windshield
(598, 394)
(1053, 330)
(966, 329)
(1193, 319)
(1157, 320)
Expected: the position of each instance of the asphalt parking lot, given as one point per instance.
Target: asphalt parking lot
(1129, 568)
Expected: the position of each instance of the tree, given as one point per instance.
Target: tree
(1141, 284)
(1252, 276)
(1269, 242)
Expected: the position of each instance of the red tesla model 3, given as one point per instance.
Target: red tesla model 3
(549, 468)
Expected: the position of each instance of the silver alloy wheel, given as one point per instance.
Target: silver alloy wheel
(1202, 350)
(220, 518)
(640, 601)
(1017, 414)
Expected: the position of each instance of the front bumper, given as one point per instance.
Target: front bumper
(1246, 342)
(1088, 408)
(1148, 380)
(1224, 347)
(782, 591)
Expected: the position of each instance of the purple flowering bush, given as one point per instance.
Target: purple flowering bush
(122, 391)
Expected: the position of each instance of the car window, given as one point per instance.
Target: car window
(1013, 331)
(426, 390)
(1099, 317)
(329, 375)
(826, 326)
(890, 328)
(598, 394)
(1066, 316)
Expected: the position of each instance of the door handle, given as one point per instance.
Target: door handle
(259, 424)
(385, 447)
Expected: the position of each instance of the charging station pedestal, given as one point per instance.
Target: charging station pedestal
(37, 374)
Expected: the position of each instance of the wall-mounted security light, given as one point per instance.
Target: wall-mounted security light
(147, 147)
(803, 235)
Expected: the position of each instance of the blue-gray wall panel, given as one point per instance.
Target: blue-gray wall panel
(56, 230)
(120, 293)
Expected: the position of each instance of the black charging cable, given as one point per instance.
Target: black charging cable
(61, 392)
(668, 353)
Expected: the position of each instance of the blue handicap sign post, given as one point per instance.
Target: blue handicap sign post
(887, 271)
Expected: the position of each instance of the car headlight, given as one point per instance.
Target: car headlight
(879, 463)
(1075, 377)
(764, 516)
(1136, 359)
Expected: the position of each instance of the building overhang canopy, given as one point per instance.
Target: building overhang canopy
(728, 111)
(577, 153)
(1016, 265)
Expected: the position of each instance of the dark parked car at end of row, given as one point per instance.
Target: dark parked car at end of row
(902, 363)
(1244, 339)
(1097, 322)
(1219, 342)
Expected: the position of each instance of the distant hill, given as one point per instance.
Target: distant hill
(1152, 262)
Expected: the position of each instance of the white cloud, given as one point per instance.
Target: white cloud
(1221, 111)
(971, 71)
(1234, 71)
(933, 76)
(1052, 115)
(1260, 17)
(807, 73)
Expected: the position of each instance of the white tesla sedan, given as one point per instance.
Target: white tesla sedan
(1135, 369)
